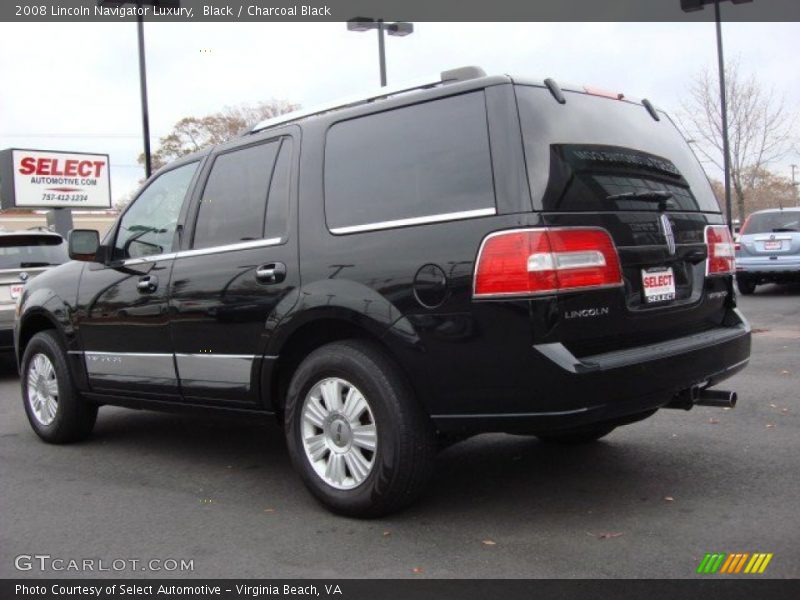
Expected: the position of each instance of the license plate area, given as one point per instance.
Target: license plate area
(658, 285)
(16, 290)
(772, 245)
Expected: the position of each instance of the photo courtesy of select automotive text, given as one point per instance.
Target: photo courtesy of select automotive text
(390, 299)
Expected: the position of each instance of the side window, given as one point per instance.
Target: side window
(277, 217)
(148, 226)
(234, 200)
(426, 160)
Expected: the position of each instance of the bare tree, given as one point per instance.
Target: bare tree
(191, 134)
(760, 127)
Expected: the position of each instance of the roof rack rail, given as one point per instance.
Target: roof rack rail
(450, 76)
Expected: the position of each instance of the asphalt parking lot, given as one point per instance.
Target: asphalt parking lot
(648, 501)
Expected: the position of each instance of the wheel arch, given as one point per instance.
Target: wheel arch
(312, 333)
(35, 322)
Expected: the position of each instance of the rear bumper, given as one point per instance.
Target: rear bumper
(783, 265)
(613, 386)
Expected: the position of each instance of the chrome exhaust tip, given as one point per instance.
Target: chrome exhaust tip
(720, 398)
(699, 396)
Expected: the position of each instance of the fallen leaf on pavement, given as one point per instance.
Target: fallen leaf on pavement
(770, 425)
(713, 421)
(387, 533)
(489, 543)
(609, 535)
(669, 498)
(269, 510)
(784, 372)
(417, 570)
(772, 405)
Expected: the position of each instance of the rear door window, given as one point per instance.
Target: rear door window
(235, 196)
(428, 161)
(597, 154)
(246, 196)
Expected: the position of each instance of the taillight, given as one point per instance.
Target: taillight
(721, 252)
(525, 262)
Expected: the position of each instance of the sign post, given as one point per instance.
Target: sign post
(51, 179)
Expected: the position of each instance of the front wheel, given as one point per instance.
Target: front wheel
(355, 432)
(54, 408)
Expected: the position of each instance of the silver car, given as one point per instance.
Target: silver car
(23, 255)
(768, 250)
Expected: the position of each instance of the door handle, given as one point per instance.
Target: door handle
(147, 284)
(271, 273)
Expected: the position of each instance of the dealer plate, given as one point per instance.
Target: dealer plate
(658, 284)
(773, 245)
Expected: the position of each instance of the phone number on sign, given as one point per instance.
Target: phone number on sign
(64, 197)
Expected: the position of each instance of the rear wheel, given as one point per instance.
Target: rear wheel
(355, 433)
(54, 408)
(575, 438)
(746, 285)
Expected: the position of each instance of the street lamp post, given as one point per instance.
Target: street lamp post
(399, 29)
(148, 165)
(691, 6)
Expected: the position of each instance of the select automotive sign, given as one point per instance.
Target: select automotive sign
(53, 179)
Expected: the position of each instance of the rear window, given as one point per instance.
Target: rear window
(596, 154)
(774, 222)
(429, 160)
(28, 251)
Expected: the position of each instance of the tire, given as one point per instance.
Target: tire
(328, 431)
(576, 438)
(746, 285)
(54, 408)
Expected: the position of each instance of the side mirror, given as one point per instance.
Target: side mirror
(84, 244)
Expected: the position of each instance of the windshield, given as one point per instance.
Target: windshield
(596, 154)
(28, 251)
(772, 222)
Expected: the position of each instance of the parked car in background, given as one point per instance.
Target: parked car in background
(23, 255)
(768, 249)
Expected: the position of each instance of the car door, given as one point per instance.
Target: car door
(239, 273)
(122, 315)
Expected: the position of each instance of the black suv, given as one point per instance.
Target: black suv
(473, 254)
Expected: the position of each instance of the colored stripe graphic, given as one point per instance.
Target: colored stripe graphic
(733, 563)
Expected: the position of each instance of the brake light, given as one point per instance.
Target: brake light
(595, 91)
(721, 252)
(526, 262)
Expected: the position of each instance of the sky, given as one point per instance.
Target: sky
(77, 87)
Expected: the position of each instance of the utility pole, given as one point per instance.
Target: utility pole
(794, 185)
(691, 6)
